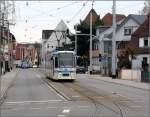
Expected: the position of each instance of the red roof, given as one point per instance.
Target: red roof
(107, 19)
(94, 17)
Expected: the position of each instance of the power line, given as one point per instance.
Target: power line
(52, 10)
(84, 4)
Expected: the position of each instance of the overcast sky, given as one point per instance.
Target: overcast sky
(34, 16)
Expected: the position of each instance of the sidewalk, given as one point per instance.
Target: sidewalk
(5, 83)
(135, 84)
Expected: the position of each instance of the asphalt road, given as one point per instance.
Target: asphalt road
(33, 95)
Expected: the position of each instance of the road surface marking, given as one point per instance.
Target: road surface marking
(61, 116)
(56, 92)
(35, 108)
(49, 86)
(83, 106)
(136, 106)
(41, 101)
(75, 96)
(66, 111)
(51, 107)
(122, 95)
(59, 93)
(16, 109)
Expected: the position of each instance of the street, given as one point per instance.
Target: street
(31, 94)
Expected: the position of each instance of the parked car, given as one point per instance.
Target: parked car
(80, 69)
(34, 66)
(24, 65)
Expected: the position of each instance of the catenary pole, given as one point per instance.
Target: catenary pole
(114, 41)
(91, 38)
(76, 39)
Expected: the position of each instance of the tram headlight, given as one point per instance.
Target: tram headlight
(57, 73)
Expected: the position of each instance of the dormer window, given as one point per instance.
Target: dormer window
(127, 31)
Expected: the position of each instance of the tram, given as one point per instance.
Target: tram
(61, 65)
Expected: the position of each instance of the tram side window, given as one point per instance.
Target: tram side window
(56, 62)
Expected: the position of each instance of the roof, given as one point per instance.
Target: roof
(107, 19)
(63, 26)
(94, 16)
(137, 18)
(102, 28)
(46, 34)
(143, 30)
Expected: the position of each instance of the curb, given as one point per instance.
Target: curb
(123, 84)
(4, 93)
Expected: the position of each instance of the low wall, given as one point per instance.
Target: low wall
(131, 74)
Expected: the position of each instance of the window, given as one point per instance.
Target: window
(127, 31)
(145, 59)
(47, 45)
(143, 42)
(56, 62)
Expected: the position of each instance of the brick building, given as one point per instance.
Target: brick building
(26, 52)
(7, 39)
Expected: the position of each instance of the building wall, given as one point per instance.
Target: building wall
(141, 56)
(120, 33)
(27, 51)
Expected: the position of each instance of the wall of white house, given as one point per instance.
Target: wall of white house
(120, 33)
(141, 56)
(102, 38)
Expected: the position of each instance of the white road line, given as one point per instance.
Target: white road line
(41, 101)
(35, 108)
(75, 96)
(83, 106)
(136, 106)
(16, 109)
(61, 116)
(51, 107)
(66, 111)
(56, 92)
(52, 88)
(122, 95)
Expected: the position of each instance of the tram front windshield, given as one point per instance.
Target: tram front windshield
(66, 60)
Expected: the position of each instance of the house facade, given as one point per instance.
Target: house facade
(56, 38)
(7, 41)
(26, 52)
(125, 28)
(140, 43)
(59, 36)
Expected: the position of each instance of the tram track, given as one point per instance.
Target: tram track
(88, 94)
(93, 100)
